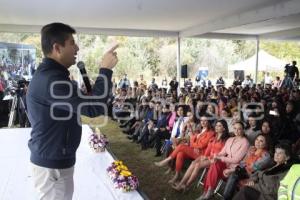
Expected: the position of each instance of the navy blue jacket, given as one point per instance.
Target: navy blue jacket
(54, 140)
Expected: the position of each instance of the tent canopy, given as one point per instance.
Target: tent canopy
(230, 19)
(266, 62)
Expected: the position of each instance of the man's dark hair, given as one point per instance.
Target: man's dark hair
(54, 33)
(167, 106)
(285, 146)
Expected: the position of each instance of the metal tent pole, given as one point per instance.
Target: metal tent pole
(257, 57)
(178, 63)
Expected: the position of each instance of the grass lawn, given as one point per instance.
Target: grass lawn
(153, 180)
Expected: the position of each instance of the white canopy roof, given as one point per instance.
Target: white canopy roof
(266, 62)
(278, 19)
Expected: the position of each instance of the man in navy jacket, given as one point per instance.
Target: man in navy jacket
(54, 107)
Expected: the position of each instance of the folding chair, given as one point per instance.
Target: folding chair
(219, 188)
(218, 191)
(201, 179)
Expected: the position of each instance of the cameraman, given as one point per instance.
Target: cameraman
(292, 71)
(21, 107)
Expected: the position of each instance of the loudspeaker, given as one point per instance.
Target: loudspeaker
(184, 72)
(240, 74)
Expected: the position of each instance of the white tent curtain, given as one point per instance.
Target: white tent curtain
(266, 62)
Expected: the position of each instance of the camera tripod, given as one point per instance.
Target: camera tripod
(17, 100)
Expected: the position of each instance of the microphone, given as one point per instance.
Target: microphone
(81, 67)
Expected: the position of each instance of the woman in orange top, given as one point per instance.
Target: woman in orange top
(198, 144)
(215, 146)
(256, 159)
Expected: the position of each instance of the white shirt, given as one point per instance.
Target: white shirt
(174, 130)
(247, 83)
(268, 79)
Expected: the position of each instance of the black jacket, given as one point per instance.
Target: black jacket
(51, 97)
(173, 85)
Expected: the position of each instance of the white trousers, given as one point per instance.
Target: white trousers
(53, 184)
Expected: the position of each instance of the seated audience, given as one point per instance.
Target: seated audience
(256, 159)
(196, 148)
(224, 163)
(265, 184)
(214, 146)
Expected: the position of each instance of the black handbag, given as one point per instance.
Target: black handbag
(241, 172)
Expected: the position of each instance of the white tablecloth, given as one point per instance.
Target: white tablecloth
(90, 178)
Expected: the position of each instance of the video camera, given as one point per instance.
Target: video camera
(16, 87)
(16, 95)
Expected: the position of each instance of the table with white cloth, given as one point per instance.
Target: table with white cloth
(90, 178)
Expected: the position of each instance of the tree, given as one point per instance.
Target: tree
(168, 56)
(287, 51)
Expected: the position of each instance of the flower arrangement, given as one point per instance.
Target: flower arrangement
(121, 177)
(98, 141)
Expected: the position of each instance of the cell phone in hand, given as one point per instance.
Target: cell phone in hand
(273, 112)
